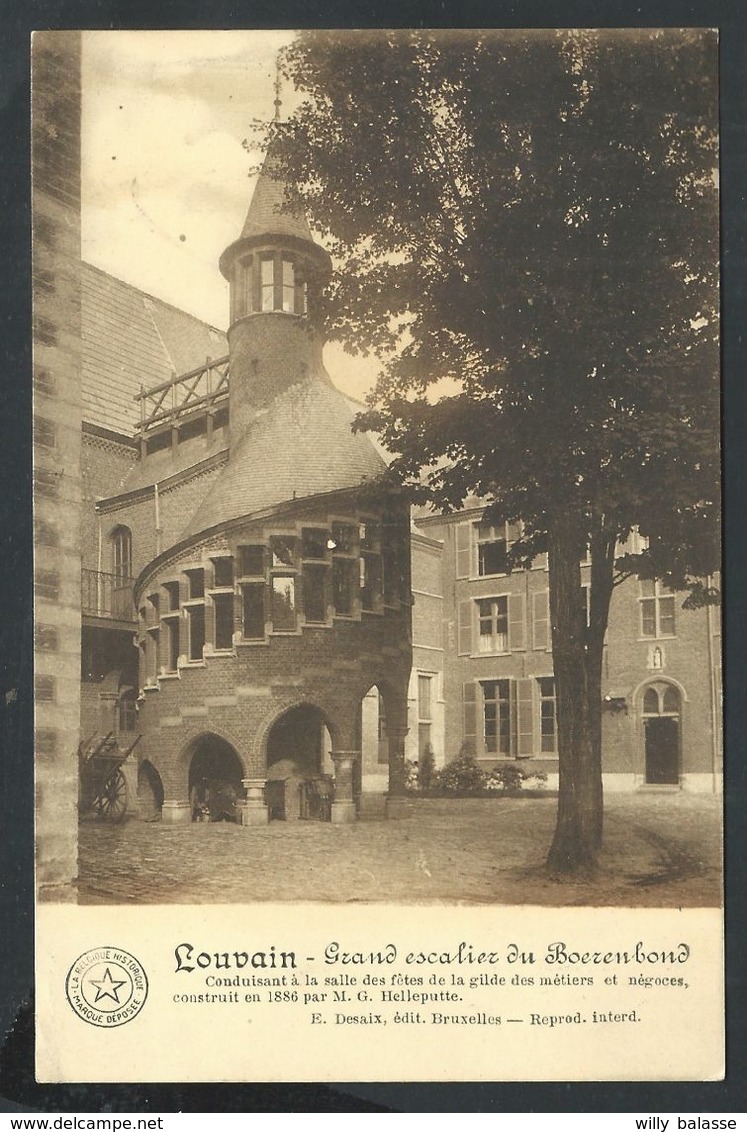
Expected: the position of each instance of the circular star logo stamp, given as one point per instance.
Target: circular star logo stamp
(106, 986)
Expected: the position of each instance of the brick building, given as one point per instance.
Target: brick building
(494, 687)
(260, 629)
(234, 529)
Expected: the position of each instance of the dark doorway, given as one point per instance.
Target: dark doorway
(297, 738)
(662, 751)
(215, 774)
(661, 729)
(294, 758)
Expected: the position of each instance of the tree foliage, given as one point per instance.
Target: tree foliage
(525, 226)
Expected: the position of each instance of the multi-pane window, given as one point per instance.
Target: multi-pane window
(283, 598)
(548, 731)
(492, 549)
(510, 717)
(196, 622)
(315, 550)
(251, 564)
(127, 713)
(283, 593)
(267, 284)
(370, 581)
(345, 568)
(496, 700)
(289, 286)
(315, 592)
(492, 616)
(122, 553)
(343, 585)
(223, 613)
(657, 609)
(425, 711)
(253, 611)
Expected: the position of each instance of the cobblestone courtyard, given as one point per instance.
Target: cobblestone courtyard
(660, 851)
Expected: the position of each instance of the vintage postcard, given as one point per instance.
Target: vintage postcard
(377, 640)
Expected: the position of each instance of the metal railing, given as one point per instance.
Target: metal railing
(199, 389)
(106, 595)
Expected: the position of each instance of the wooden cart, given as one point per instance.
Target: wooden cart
(103, 786)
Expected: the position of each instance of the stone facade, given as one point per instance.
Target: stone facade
(57, 441)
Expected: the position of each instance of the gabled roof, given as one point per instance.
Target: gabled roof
(130, 340)
(301, 445)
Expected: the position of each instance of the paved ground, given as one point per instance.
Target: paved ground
(660, 851)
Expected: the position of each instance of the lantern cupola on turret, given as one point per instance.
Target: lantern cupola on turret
(276, 272)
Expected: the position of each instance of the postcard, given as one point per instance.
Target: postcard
(376, 486)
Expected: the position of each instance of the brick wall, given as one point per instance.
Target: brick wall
(58, 489)
(238, 694)
(686, 660)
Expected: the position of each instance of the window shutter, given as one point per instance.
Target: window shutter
(469, 704)
(464, 643)
(464, 550)
(525, 711)
(516, 622)
(541, 619)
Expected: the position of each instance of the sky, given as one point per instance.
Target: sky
(166, 181)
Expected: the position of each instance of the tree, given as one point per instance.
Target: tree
(526, 230)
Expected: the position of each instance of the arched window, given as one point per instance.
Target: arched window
(121, 539)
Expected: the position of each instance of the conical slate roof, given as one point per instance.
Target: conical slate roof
(300, 446)
(272, 210)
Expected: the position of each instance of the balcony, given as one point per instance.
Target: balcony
(188, 405)
(107, 596)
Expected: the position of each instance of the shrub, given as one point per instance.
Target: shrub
(427, 768)
(463, 774)
(511, 778)
(507, 777)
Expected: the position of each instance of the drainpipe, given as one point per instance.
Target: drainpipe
(715, 712)
(157, 508)
(99, 579)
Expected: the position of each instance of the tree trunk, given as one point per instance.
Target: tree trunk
(575, 844)
(602, 548)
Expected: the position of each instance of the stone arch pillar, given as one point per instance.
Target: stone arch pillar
(397, 802)
(343, 806)
(345, 755)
